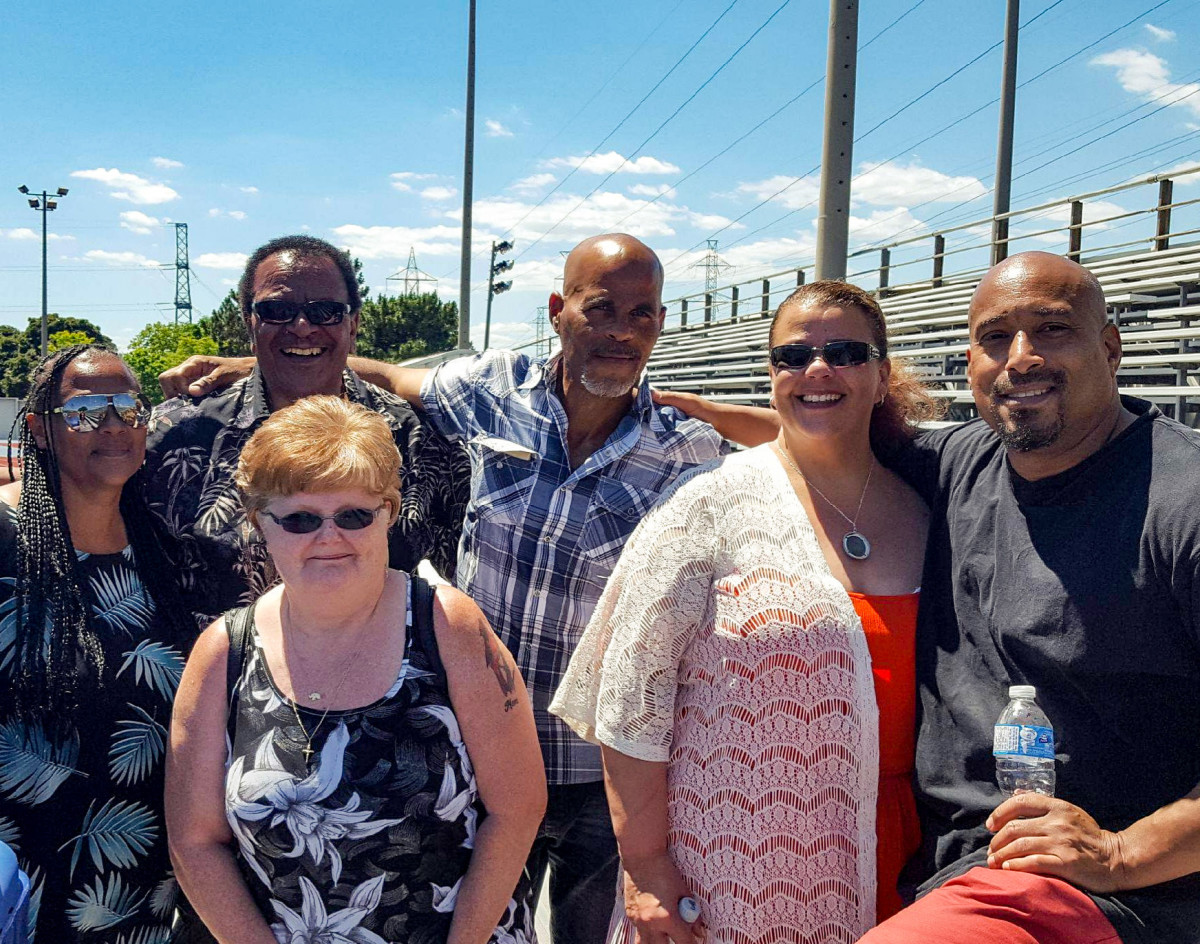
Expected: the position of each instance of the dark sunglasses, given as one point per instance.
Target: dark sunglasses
(86, 412)
(833, 353)
(280, 311)
(306, 522)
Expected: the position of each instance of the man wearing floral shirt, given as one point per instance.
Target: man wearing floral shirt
(300, 300)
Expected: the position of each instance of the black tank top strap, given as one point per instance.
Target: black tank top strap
(423, 635)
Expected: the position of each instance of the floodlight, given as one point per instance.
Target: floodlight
(62, 191)
(503, 266)
(34, 203)
(503, 247)
(23, 189)
(500, 287)
(51, 204)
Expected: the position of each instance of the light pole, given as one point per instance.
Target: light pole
(496, 288)
(44, 204)
(464, 275)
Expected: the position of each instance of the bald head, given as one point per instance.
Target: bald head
(1042, 274)
(608, 253)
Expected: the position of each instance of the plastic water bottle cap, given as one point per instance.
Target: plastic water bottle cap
(1024, 692)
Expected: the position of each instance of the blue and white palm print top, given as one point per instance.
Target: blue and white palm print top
(84, 813)
(368, 842)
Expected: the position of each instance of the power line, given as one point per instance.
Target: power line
(665, 122)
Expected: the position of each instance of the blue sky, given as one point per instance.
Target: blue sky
(248, 121)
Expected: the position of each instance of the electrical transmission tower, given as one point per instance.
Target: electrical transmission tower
(713, 266)
(411, 278)
(541, 325)
(183, 274)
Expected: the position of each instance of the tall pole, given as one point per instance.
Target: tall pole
(837, 155)
(1004, 149)
(487, 321)
(45, 306)
(464, 277)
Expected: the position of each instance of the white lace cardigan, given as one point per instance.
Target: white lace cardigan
(723, 645)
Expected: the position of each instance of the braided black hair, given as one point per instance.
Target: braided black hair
(53, 613)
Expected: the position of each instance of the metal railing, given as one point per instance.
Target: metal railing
(922, 259)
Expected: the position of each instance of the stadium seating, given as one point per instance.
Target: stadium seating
(1153, 296)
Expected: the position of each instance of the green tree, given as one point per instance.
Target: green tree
(159, 346)
(405, 326)
(20, 351)
(227, 327)
(60, 339)
(364, 290)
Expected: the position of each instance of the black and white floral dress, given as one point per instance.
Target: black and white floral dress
(84, 813)
(369, 842)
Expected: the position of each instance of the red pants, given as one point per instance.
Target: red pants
(998, 907)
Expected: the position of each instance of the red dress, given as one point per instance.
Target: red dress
(890, 624)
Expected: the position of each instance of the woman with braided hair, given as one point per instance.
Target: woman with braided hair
(92, 646)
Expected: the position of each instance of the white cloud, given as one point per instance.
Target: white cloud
(494, 129)
(221, 260)
(165, 163)
(215, 212)
(24, 234)
(237, 214)
(533, 184)
(652, 190)
(248, 189)
(882, 225)
(439, 193)
(1162, 35)
(795, 195)
(613, 162)
(599, 213)
(138, 222)
(889, 184)
(400, 180)
(1146, 75)
(393, 242)
(129, 187)
(120, 258)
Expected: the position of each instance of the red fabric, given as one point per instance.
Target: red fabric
(890, 623)
(999, 907)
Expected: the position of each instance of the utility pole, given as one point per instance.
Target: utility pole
(183, 274)
(464, 276)
(44, 204)
(494, 287)
(1004, 149)
(837, 155)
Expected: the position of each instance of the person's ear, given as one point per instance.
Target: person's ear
(557, 304)
(1112, 344)
(37, 429)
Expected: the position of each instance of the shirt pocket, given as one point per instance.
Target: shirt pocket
(502, 482)
(613, 513)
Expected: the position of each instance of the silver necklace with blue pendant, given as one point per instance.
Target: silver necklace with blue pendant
(854, 542)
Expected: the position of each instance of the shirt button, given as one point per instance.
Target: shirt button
(545, 539)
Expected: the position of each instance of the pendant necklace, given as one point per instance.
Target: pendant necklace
(854, 542)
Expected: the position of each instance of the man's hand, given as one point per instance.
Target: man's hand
(651, 902)
(1036, 833)
(201, 374)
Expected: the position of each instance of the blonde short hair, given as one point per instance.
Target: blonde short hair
(319, 444)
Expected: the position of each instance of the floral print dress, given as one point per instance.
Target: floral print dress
(368, 842)
(84, 813)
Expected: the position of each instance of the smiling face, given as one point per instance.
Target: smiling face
(103, 459)
(329, 558)
(609, 315)
(301, 359)
(820, 401)
(1042, 360)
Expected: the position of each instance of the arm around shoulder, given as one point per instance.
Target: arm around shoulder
(405, 382)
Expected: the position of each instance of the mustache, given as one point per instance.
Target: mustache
(1004, 384)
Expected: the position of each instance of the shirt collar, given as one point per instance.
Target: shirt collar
(255, 407)
(543, 372)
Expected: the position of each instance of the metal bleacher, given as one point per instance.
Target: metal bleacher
(1151, 285)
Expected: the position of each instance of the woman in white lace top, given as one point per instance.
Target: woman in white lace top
(727, 671)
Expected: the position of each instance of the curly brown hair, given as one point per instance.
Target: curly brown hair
(908, 402)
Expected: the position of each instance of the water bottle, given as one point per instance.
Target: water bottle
(1023, 744)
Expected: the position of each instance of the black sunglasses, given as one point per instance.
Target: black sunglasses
(833, 353)
(306, 522)
(85, 413)
(320, 312)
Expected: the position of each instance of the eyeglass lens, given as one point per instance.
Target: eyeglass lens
(834, 353)
(319, 312)
(86, 413)
(306, 522)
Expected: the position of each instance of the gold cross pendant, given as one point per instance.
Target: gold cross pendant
(308, 753)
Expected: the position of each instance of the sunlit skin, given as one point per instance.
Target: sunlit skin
(1042, 362)
(608, 318)
(301, 359)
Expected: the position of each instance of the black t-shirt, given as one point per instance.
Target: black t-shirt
(1087, 585)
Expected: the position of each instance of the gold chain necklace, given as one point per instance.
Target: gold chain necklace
(854, 542)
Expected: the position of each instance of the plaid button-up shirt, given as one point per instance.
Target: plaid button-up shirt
(541, 538)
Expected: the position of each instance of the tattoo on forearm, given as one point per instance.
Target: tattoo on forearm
(505, 673)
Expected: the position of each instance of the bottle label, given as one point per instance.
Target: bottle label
(1023, 740)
